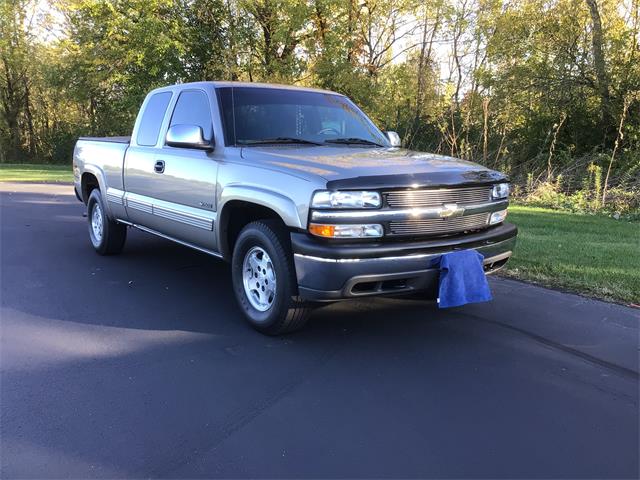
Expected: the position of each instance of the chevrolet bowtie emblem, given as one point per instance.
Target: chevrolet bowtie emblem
(450, 210)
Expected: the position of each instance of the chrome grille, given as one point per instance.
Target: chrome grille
(439, 226)
(437, 197)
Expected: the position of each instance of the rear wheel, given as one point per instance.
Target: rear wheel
(107, 236)
(264, 279)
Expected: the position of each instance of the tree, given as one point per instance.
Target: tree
(283, 26)
(599, 64)
(486, 80)
(17, 128)
(114, 52)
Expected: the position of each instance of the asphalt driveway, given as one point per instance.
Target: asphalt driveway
(140, 365)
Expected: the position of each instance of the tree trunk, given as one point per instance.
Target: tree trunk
(423, 62)
(625, 108)
(11, 107)
(29, 118)
(485, 129)
(600, 66)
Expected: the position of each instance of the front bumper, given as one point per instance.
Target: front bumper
(327, 272)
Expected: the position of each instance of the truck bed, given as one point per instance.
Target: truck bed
(125, 140)
(101, 154)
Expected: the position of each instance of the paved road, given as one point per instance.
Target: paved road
(141, 366)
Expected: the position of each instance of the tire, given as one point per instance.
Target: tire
(106, 236)
(271, 308)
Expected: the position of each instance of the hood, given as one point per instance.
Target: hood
(359, 167)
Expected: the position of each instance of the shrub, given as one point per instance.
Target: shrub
(620, 202)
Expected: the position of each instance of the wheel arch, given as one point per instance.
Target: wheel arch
(88, 182)
(239, 206)
(91, 178)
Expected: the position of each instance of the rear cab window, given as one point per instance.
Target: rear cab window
(152, 118)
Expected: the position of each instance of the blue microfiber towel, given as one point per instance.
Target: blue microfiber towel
(462, 279)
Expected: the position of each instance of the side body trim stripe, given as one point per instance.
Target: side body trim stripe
(174, 212)
(115, 196)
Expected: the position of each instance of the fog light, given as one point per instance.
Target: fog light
(498, 217)
(346, 231)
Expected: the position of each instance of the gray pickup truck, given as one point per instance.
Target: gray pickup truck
(297, 188)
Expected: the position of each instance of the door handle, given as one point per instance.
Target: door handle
(159, 166)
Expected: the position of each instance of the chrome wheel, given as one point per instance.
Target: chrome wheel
(96, 222)
(259, 279)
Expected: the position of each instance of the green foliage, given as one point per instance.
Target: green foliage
(114, 53)
(523, 87)
(621, 203)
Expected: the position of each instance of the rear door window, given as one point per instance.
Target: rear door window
(152, 117)
(192, 108)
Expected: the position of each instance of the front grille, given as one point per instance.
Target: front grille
(437, 197)
(439, 226)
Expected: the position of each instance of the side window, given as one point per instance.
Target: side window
(192, 108)
(152, 119)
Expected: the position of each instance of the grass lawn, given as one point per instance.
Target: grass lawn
(36, 173)
(590, 254)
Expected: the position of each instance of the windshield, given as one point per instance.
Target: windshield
(259, 116)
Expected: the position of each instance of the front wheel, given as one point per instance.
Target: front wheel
(107, 236)
(264, 279)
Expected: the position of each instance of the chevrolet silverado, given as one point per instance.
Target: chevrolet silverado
(297, 188)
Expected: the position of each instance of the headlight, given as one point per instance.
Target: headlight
(497, 217)
(346, 231)
(501, 190)
(346, 199)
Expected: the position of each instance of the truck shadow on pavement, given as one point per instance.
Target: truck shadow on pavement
(154, 284)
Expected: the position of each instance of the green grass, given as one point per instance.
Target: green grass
(35, 173)
(590, 254)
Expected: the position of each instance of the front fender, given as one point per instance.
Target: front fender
(282, 205)
(279, 203)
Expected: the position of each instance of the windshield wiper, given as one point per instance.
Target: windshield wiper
(354, 141)
(277, 140)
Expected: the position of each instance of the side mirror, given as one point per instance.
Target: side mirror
(187, 136)
(394, 139)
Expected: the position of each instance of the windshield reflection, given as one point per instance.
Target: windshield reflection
(262, 116)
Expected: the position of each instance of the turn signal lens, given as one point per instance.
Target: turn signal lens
(346, 231)
(322, 230)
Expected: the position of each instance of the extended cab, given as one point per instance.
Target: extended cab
(297, 188)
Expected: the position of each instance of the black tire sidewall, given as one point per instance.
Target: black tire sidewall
(254, 236)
